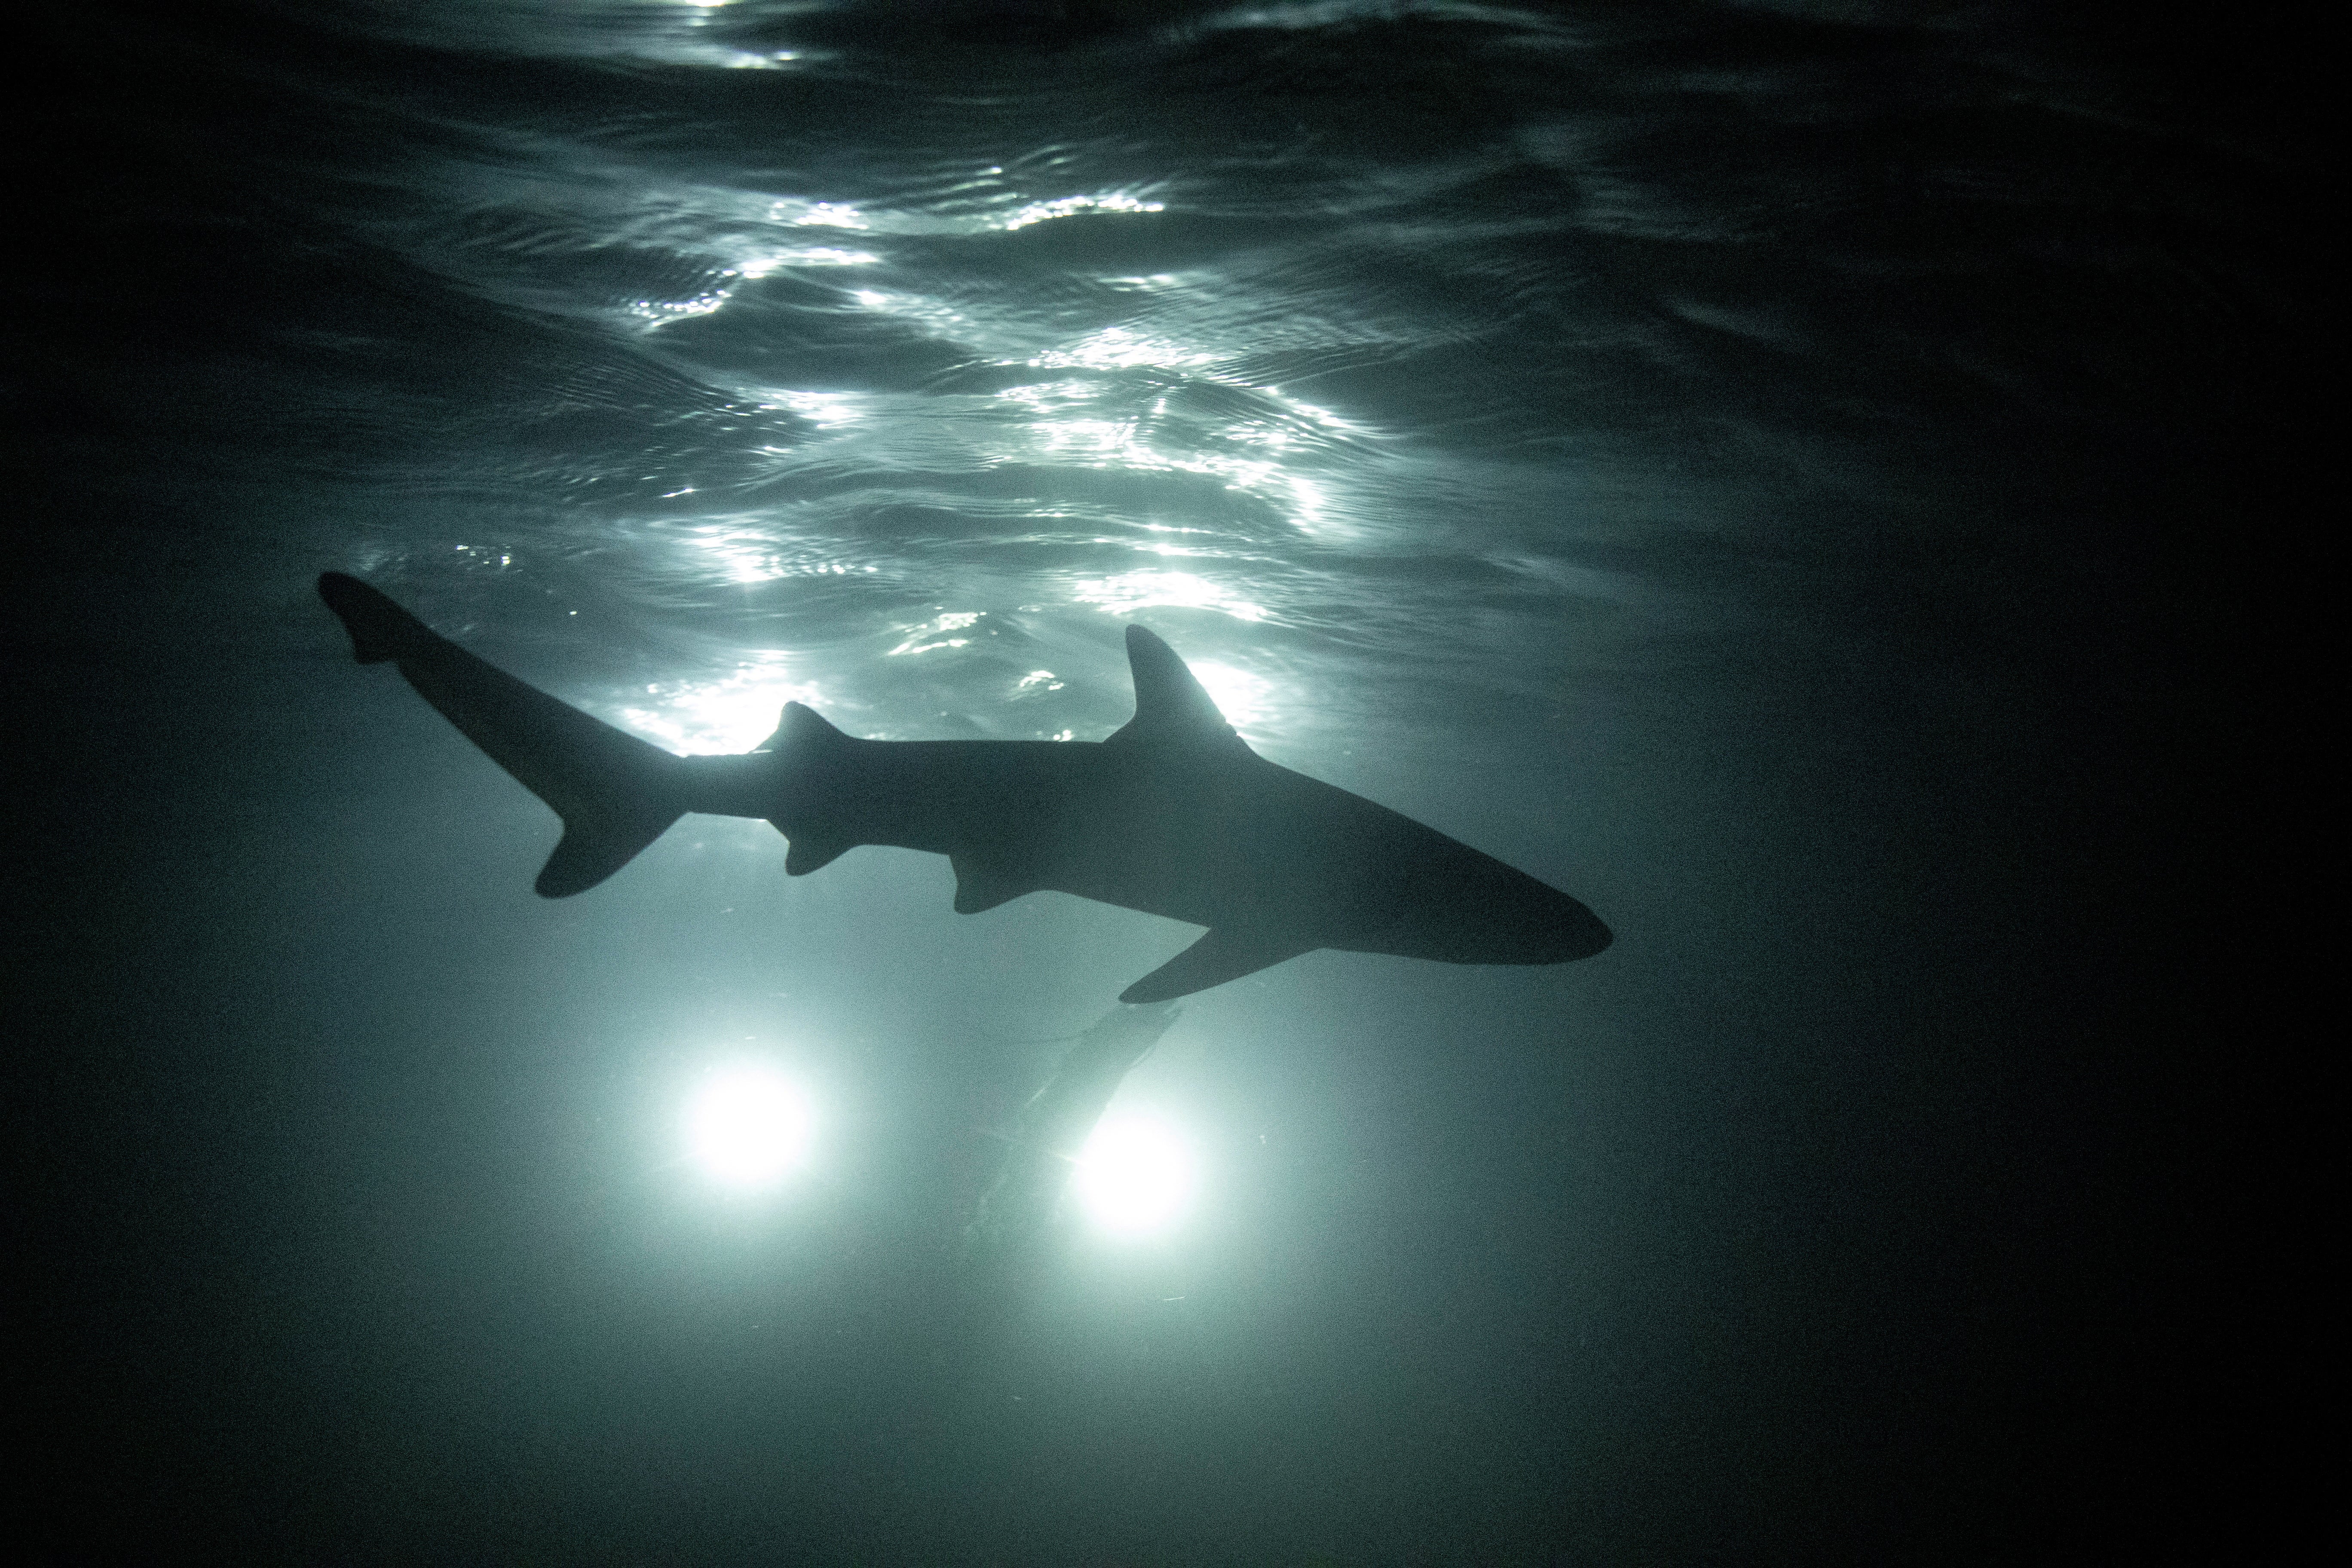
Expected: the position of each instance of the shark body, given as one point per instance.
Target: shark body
(1172, 814)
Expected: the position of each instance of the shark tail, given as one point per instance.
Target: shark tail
(615, 793)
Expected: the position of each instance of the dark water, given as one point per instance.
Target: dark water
(1773, 471)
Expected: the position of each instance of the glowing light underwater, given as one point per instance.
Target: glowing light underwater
(732, 713)
(749, 1127)
(1134, 1176)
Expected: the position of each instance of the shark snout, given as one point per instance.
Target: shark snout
(1527, 921)
(1575, 931)
(1490, 913)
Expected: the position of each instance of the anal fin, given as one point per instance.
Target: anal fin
(809, 852)
(1220, 955)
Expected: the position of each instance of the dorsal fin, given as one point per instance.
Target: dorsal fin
(1170, 707)
(801, 726)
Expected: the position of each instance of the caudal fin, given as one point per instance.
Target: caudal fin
(615, 793)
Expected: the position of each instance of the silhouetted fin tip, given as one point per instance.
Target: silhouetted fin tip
(811, 852)
(381, 630)
(802, 725)
(586, 856)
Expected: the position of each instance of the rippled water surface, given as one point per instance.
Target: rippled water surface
(1455, 348)
(1734, 461)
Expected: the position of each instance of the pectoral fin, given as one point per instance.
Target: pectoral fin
(1220, 955)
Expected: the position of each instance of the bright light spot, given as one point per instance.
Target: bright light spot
(1134, 1176)
(661, 312)
(828, 215)
(1068, 206)
(1322, 416)
(1111, 438)
(1118, 348)
(1242, 698)
(809, 255)
(733, 713)
(943, 320)
(1051, 397)
(1307, 501)
(937, 630)
(749, 1126)
(823, 410)
(1118, 443)
(1131, 591)
(752, 552)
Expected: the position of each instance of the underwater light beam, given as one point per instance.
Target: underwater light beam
(1134, 1177)
(749, 1127)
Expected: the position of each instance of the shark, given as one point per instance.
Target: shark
(1171, 815)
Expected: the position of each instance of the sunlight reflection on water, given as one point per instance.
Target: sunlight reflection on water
(1038, 353)
(732, 713)
(1139, 590)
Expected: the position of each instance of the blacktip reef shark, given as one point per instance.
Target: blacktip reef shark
(1171, 815)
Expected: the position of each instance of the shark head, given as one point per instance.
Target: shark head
(1471, 909)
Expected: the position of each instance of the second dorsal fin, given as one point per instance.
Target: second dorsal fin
(806, 740)
(801, 726)
(1171, 706)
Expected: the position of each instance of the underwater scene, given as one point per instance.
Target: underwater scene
(972, 781)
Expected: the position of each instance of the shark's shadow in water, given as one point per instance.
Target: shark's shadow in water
(1040, 1149)
(1171, 815)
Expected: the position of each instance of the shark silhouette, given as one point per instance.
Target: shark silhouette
(1172, 814)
